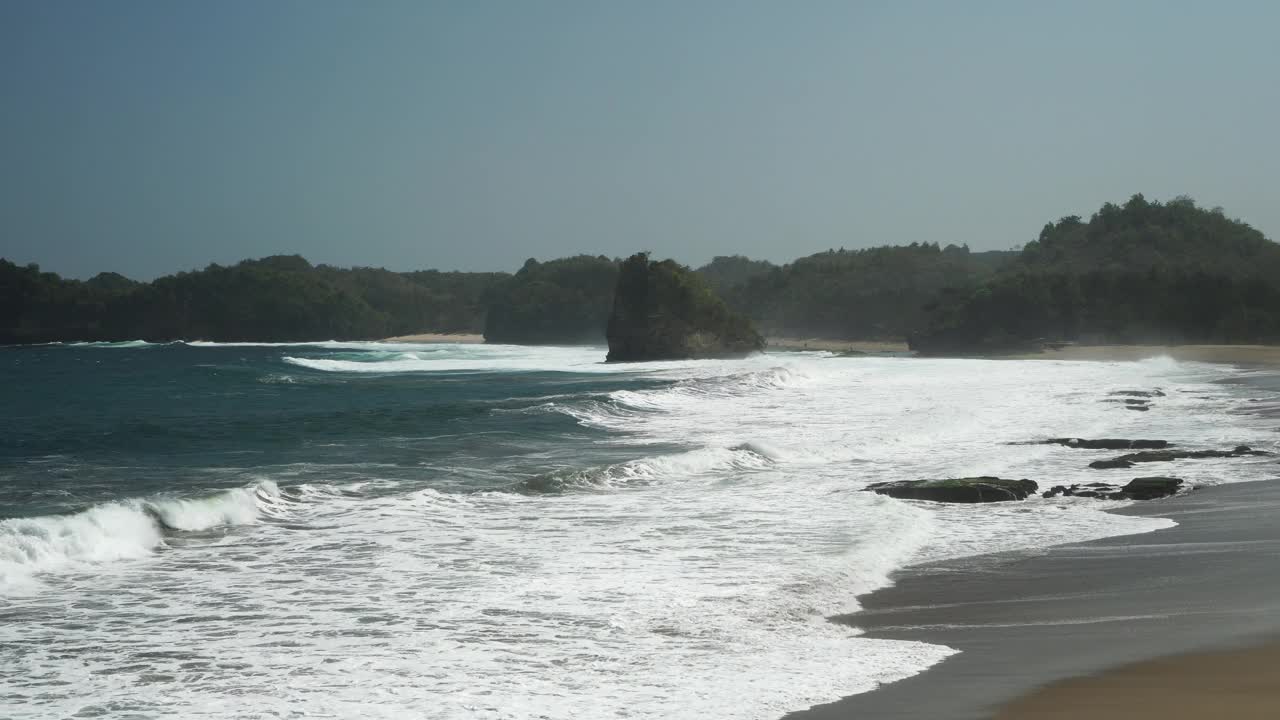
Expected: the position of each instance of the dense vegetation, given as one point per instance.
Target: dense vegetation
(563, 301)
(725, 272)
(1141, 272)
(877, 293)
(665, 311)
(279, 298)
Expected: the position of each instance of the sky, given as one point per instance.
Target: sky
(150, 137)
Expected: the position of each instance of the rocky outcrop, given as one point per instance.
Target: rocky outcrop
(1104, 443)
(1144, 488)
(957, 490)
(665, 311)
(1128, 461)
(1149, 488)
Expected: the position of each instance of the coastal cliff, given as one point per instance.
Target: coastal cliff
(664, 311)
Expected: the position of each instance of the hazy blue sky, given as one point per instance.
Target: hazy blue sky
(150, 137)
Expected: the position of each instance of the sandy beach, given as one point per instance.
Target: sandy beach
(462, 338)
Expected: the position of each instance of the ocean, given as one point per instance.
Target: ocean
(362, 530)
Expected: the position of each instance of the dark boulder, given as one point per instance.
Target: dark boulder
(665, 311)
(1139, 408)
(957, 490)
(1148, 488)
(1110, 464)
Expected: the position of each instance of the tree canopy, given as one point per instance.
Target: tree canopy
(562, 301)
(279, 298)
(1141, 272)
(876, 293)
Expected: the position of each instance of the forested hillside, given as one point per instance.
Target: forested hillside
(876, 293)
(280, 298)
(1142, 272)
(563, 301)
(1145, 272)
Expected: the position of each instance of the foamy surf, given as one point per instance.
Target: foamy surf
(508, 532)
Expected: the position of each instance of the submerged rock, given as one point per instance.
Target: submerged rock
(957, 490)
(1127, 461)
(1138, 393)
(1105, 443)
(664, 311)
(1139, 408)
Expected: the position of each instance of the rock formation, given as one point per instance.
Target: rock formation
(664, 311)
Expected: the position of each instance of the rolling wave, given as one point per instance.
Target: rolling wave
(650, 471)
(123, 530)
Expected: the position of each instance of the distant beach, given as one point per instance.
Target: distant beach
(461, 338)
(1231, 354)
(1234, 354)
(828, 345)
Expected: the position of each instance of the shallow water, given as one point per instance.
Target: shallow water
(451, 531)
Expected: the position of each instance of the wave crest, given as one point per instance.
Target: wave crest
(123, 530)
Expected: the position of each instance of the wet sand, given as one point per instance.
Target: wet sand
(1030, 619)
(1237, 684)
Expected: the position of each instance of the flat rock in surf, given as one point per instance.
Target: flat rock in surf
(957, 490)
(1128, 461)
(1104, 443)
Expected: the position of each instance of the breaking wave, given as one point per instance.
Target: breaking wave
(124, 530)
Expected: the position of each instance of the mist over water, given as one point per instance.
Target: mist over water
(447, 531)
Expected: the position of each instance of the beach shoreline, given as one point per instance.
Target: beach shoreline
(1060, 630)
(1225, 354)
(1230, 354)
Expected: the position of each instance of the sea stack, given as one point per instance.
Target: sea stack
(664, 311)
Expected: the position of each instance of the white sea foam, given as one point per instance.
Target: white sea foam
(122, 344)
(682, 583)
